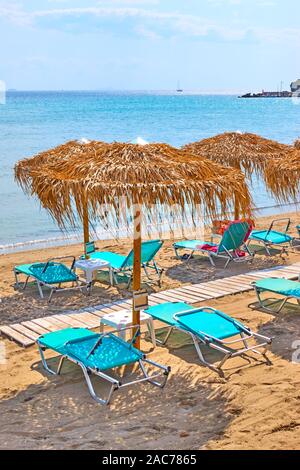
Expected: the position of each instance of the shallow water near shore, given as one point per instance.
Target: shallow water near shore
(34, 121)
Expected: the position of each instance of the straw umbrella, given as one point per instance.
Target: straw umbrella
(61, 157)
(93, 180)
(247, 152)
(283, 178)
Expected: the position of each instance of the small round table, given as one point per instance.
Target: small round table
(90, 267)
(123, 319)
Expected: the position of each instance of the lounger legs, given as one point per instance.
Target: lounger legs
(230, 354)
(164, 341)
(267, 308)
(45, 364)
(201, 357)
(114, 385)
(149, 378)
(179, 257)
(163, 373)
(18, 284)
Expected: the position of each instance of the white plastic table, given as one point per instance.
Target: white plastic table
(123, 319)
(91, 266)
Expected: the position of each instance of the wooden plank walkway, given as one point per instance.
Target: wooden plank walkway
(26, 333)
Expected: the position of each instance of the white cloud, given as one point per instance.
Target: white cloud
(150, 23)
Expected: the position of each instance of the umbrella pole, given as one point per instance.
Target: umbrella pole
(236, 211)
(137, 249)
(86, 231)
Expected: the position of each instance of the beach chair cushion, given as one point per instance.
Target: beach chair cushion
(55, 273)
(112, 352)
(116, 261)
(77, 343)
(58, 339)
(199, 321)
(165, 312)
(271, 237)
(210, 323)
(24, 269)
(189, 244)
(280, 286)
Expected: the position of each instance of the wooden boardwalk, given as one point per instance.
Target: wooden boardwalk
(26, 333)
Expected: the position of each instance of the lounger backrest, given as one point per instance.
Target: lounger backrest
(149, 250)
(90, 248)
(234, 236)
(276, 221)
(52, 273)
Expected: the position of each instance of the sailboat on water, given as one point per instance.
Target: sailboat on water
(179, 89)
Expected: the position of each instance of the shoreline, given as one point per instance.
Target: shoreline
(73, 240)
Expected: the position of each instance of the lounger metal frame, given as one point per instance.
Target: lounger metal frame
(223, 252)
(260, 290)
(268, 244)
(223, 346)
(229, 257)
(114, 383)
(127, 271)
(53, 288)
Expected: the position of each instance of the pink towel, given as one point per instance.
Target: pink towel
(214, 249)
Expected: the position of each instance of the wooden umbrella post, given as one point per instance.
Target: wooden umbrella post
(236, 210)
(86, 230)
(137, 249)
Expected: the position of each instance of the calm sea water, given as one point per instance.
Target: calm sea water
(34, 121)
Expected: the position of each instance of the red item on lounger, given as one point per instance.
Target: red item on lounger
(214, 249)
(220, 226)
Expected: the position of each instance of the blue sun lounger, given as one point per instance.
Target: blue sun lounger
(124, 264)
(229, 247)
(272, 238)
(96, 354)
(51, 274)
(209, 327)
(283, 287)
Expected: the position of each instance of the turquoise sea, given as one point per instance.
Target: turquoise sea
(34, 121)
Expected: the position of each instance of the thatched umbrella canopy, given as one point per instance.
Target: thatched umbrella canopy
(297, 144)
(92, 177)
(60, 158)
(283, 178)
(247, 152)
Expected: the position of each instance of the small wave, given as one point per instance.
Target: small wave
(161, 230)
(35, 244)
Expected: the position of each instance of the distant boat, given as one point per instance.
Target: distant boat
(179, 89)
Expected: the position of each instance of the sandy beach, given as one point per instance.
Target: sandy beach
(257, 406)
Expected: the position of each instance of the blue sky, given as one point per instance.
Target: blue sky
(209, 45)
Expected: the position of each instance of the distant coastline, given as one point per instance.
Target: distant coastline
(269, 94)
(293, 93)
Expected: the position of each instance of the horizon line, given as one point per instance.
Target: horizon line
(138, 90)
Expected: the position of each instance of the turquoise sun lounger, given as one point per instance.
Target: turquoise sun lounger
(96, 354)
(283, 287)
(51, 274)
(272, 237)
(209, 327)
(229, 247)
(124, 264)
